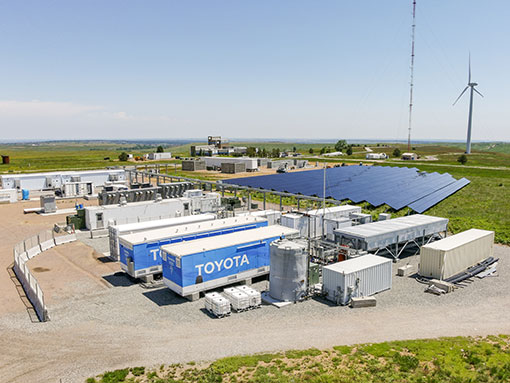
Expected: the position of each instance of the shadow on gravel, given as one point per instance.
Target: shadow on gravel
(105, 259)
(164, 297)
(208, 313)
(119, 279)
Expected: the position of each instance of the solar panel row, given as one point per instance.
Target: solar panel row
(377, 185)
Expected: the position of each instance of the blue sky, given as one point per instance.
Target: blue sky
(268, 69)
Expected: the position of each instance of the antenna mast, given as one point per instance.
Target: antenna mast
(412, 78)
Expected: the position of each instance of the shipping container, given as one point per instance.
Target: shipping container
(117, 230)
(452, 255)
(140, 252)
(101, 217)
(208, 263)
(357, 277)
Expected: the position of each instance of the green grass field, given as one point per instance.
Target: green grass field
(68, 155)
(460, 359)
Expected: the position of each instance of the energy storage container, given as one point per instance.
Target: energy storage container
(357, 277)
(100, 217)
(272, 216)
(139, 252)
(208, 263)
(130, 228)
(452, 255)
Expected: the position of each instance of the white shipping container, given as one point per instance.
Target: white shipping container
(452, 255)
(357, 277)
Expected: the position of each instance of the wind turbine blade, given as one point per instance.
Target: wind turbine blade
(458, 98)
(469, 75)
(477, 92)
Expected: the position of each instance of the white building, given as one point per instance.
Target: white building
(55, 180)
(409, 156)
(250, 163)
(160, 156)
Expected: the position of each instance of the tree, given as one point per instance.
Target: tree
(160, 149)
(294, 149)
(340, 145)
(462, 159)
(397, 153)
(310, 150)
(349, 151)
(323, 150)
(251, 151)
(123, 156)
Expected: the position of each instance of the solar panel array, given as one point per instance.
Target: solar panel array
(397, 187)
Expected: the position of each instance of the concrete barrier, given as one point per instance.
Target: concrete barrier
(26, 250)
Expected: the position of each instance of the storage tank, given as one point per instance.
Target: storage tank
(288, 269)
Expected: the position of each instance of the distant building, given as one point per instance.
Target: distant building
(333, 154)
(409, 156)
(160, 156)
(376, 156)
(216, 146)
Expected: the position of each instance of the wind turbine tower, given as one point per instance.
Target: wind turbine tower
(470, 85)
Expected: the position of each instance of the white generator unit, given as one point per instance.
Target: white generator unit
(452, 255)
(357, 277)
(8, 195)
(48, 204)
(77, 189)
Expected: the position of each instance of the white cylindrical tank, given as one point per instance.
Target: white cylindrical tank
(288, 269)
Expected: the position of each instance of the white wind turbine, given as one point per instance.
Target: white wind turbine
(470, 117)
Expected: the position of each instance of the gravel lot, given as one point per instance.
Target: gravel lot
(102, 328)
